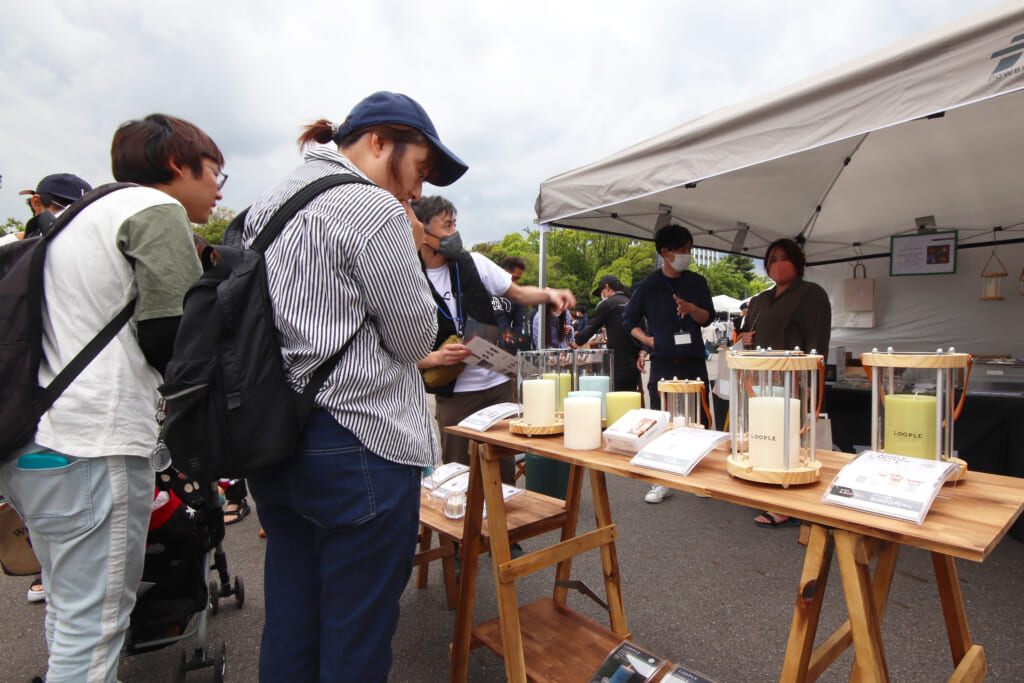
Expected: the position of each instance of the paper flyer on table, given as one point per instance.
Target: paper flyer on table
(443, 474)
(460, 484)
(485, 418)
(890, 485)
(679, 450)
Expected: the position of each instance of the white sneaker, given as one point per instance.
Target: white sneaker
(658, 494)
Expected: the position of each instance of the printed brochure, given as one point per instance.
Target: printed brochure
(892, 485)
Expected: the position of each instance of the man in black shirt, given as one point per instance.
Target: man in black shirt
(608, 314)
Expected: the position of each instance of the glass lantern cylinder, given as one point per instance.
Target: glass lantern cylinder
(913, 398)
(682, 399)
(556, 366)
(772, 415)
(595, 372)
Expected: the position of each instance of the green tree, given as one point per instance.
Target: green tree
(12, 225)
(213, 230)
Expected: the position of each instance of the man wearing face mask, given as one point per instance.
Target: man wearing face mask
(464, 286)
(675, 304)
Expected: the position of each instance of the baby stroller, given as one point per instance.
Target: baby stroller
(182, 547)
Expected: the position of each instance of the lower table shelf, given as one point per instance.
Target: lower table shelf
(559, 644)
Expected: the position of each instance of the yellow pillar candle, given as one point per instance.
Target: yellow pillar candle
(582, 422)
(563, 384)
(765, 432)
(910, 425)
(539, 402)
(621, 402)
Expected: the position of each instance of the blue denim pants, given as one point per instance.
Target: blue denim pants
(341, 527)
(88, 524)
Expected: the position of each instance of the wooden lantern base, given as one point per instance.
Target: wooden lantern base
(960, 473)
(741, 468)
(520, 427)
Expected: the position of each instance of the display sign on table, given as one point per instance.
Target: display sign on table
(890, 485)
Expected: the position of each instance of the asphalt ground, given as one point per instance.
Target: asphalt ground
(703, 586)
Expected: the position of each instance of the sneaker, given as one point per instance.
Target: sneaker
(658, 494)
(36, 593)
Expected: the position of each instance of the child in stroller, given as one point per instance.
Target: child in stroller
(183, 544)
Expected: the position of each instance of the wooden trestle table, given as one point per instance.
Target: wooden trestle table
(967, 520)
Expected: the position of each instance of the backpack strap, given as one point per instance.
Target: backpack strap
(296, 202)
(267, 235)
(67, 375)
(35, 300)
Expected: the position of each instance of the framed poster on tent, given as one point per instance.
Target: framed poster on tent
(930, 253)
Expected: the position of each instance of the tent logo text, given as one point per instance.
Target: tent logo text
(1008, 58)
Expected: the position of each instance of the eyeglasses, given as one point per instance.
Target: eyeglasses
(220, 175)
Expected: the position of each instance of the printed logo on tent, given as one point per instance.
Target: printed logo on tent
(1008, 58)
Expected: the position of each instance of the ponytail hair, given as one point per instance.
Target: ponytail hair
(320, 131)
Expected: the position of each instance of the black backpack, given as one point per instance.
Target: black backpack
(230, 409)
(22, 401)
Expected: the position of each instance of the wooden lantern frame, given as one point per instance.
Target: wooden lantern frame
(880, 368)
(789, 363)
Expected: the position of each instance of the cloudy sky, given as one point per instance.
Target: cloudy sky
(520, 90)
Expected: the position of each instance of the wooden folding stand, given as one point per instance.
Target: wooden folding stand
(544, 640)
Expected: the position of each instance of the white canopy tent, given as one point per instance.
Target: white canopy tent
(842, 162)
(927, 127)
(724, 302)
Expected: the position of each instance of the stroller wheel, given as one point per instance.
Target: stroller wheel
(239, 592)
(182, 668)
(214, 597)
(220, 663)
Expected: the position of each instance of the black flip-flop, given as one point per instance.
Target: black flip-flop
(774, 524)
(240, 512)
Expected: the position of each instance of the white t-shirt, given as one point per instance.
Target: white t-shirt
(497, 281)
(110, 408)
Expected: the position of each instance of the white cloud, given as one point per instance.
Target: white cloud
(521, 90)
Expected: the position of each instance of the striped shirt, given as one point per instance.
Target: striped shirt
(346, 265)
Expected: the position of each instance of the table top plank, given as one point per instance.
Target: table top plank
(967, 519)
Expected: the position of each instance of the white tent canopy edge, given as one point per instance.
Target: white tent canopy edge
(927, 127)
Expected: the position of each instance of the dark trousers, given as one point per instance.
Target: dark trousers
(341, 528)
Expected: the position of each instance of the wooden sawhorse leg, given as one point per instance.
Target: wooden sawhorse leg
(866, 601)
(968, 658)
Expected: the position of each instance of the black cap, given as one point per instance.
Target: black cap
(609, 280)
(66, 186)
(397, 109)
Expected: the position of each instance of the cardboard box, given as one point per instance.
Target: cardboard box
(634, 430)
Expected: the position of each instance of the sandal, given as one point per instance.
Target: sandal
(236, 512)
(773, 523)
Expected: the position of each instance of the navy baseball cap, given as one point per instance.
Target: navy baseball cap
(401, 110)
(66, 186)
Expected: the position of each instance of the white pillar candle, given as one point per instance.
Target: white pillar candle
(590, 394)
(582, 423)
(539, 402)
(765, 432)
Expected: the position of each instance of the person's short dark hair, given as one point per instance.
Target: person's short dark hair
(744, 306)
(672, 237)
(428, 207)
(793, 251)
(513, 263)
(142, 150)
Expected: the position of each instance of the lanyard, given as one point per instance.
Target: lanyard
(672, 289)
(459, 318)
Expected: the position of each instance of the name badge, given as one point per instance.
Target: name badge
(682, 338)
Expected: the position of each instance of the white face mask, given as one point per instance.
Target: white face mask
(680, 262)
